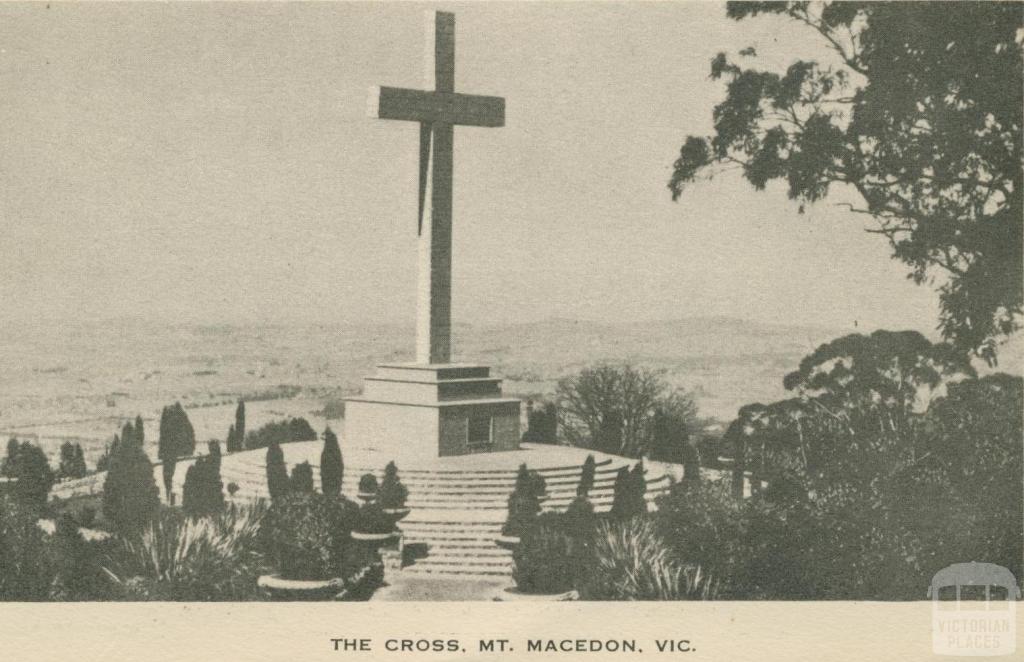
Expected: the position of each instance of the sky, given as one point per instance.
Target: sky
(215, 164)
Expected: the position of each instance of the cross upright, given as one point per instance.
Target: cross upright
(438, 109)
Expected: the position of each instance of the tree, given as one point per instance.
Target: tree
(611, 408)
(72, 461)
(177, 437)
(524, 502)
(332, 467)
(232, 440)
(302, 479)
(277, 472)
(669, 433)
(281, 432)
(918, 114)
(27, 572)
(542, 424)
(34, 476)
(392, 494)
(628, 493)
(240, 424)
(7, 466)
(130, 494)
(587, 474)
(203, 492)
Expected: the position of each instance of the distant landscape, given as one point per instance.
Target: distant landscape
(80, 382)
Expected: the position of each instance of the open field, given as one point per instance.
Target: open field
(81, 382)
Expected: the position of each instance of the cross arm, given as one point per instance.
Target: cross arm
(397, 103)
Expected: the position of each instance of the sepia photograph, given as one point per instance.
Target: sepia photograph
(515, 302)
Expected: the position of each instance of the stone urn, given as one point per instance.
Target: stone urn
(506, 542)
(513, 594)
(300, 589)
(373, 539)
(397, 514)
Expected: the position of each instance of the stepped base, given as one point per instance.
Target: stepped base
(414, 412)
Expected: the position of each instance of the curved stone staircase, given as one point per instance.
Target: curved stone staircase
(455, 513)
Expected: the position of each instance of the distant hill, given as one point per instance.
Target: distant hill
(79, 381)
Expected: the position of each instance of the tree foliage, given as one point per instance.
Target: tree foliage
(27, 463)
(203, 492)
(628, 492)
(917, 114)
(177, 437)
(611, 408)
(332, 467)
(302, 479)
(392, 493)
(542, 424)
(72, 461)
(277, 472)
(130, 494)
(280, 432)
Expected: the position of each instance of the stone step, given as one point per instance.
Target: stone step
(492, 554)
(602, 466)
(455, 573)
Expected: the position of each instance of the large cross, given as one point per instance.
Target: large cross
(437, 110)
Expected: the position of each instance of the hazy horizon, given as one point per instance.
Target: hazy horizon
(213, 163)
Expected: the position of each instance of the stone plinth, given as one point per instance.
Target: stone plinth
(419, 411)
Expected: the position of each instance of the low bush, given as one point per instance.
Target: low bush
(25, 569)
(392, 493)
(373, 519)
(302, 479)
(368, 484)
(306, 536)
(280, 432)
(545, 560)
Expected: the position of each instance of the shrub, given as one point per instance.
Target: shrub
(7, 466)
(542, 424)
(186, 558)
(72, 461)
(130, 494)
(302, 479)
(544, 561)
(281, 432)
(25, 569)
(580, 518)
(632, 563)
(704, 526)
(524, 502)
(78, 570)
(392, 493)
(277, 472)
(373, 519)
(587, 475)
(34, 476)
(368, 484)
(628, 493)
(332, 467)
(203, 491)
(306, 536)
(233, 488)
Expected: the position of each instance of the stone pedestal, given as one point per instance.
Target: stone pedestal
(413, 411)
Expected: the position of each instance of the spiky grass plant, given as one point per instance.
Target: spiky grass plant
(191, 558)
(631, 562)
